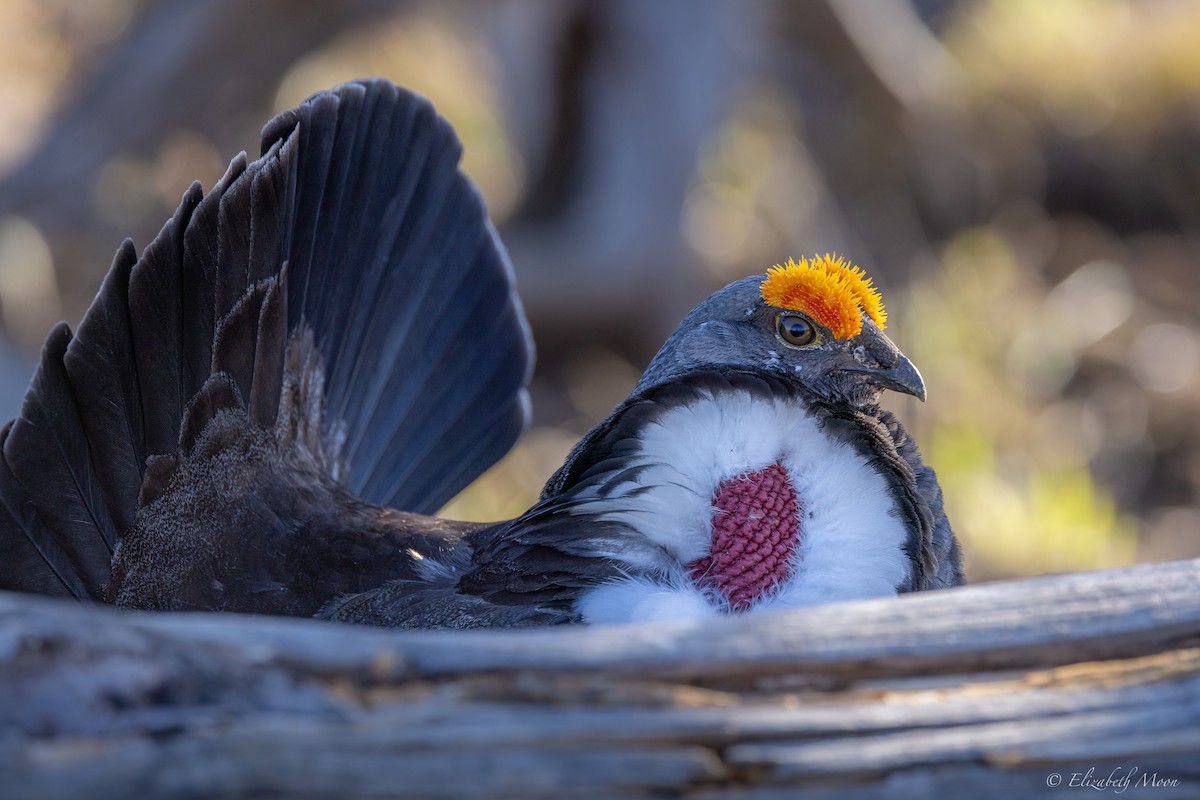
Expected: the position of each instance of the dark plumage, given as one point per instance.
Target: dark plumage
(255, 414)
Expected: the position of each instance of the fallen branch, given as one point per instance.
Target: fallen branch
(985, 689)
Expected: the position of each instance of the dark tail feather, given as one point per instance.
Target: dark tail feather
(408, 292)
(200, 272)
(266, 382)
(33, 560)
(156, 294)
(354, 225)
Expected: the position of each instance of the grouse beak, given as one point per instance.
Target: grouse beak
(903, 377)
(891, 369)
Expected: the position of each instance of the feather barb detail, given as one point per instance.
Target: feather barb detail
(831, 290)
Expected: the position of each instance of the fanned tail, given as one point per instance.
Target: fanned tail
(355, 228)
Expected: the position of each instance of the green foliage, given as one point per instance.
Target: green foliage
(1084, 65)
(1022, 502)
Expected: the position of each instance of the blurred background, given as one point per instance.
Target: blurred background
(1021, 177)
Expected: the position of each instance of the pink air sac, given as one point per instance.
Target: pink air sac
(754, 532)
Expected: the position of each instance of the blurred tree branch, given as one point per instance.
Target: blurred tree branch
(610, 103)
(210, 67)
(888, 121)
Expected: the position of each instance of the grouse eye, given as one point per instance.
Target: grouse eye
(796, 330)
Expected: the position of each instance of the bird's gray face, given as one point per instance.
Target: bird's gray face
(736, 327)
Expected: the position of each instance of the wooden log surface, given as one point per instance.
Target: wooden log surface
(997, 690)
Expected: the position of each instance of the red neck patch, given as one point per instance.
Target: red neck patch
(754, 532)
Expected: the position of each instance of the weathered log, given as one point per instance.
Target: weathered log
(996, 690)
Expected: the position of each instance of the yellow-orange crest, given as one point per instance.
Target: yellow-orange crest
(829, 289)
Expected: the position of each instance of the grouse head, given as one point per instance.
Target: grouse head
(818, 322)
